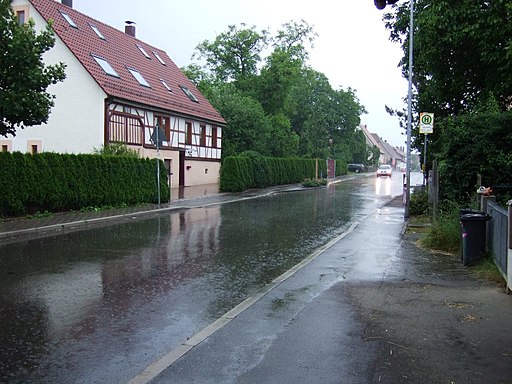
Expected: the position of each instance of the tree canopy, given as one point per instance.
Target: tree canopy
(276, 105)
(462, 72)
(24, 78)
(233, 54)
(462, 52)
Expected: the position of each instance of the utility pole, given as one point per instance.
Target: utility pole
(381, 4)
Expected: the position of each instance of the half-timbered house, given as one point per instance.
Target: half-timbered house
(120, 89)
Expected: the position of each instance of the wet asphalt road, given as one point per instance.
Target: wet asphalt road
(102, 305)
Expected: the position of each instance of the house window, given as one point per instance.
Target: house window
(159, 58)
(164, 123)
(188, 133)
(97, 31)
(143, 51)
(68, 19)
(105, 65)
(165, 85)
(214, 137)
(34, 149)
(189, 94)
(20, 15)
(202, 136)
(139, 77)
(5, 148)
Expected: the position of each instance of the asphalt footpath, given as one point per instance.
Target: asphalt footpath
(371, 306)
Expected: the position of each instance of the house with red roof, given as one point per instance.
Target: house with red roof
(393, 156)
(120, 89)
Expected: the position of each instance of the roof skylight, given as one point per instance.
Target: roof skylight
(165, 85)
(139, 78)
(143, 51)
(189, 94)
(105, 65)
(68, 19)
(159, 58)
(97, 31)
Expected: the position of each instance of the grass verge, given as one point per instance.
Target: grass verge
(444, 235)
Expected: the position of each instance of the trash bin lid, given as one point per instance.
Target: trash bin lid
(481, 216)
(465, 211)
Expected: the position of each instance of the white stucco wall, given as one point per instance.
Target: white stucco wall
(76, 121)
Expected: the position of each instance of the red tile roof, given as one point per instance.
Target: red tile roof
(121, 51)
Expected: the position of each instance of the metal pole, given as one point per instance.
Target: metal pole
(425, 177)
(158, 161)
(409, 112)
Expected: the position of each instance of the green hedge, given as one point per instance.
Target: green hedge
(251, 170)
(61, 182)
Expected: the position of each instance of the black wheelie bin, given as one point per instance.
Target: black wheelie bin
(473, 228)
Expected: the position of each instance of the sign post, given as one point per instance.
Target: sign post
(426, 127)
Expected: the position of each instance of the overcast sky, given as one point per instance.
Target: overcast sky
(352, 49)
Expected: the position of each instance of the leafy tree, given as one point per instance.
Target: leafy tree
(469, 147)
(24, 78)
(247, 125)
(293, 37)
(234, 54)
(373, 156)
(276, 80)
(324, 118)
(285, 109)
(201, 79)
(284, 142)
(462, 52)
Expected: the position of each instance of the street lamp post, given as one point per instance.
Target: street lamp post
(409, 112)
(158, 161)
(157, 139)
(381, 4)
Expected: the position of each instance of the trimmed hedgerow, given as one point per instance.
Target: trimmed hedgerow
(61, 182)
(251, 170)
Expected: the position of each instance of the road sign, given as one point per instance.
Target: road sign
(426, 123)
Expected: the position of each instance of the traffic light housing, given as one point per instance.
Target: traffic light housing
(381, 4)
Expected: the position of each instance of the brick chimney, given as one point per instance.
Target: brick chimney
(69, 3)
(129, 28)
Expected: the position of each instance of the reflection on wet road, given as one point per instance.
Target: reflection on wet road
(100, 305)
(383, 186)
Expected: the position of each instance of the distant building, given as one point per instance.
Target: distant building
(119, 89)
(393, 156)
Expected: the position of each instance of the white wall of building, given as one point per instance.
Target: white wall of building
(201, 172)
(76, 121)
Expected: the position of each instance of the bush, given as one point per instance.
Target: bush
(116, 149)
(314, 183)
(444, 234)
(58, 182)
(418, 205)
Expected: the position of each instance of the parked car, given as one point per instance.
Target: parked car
(384, 170)
(356, 168)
